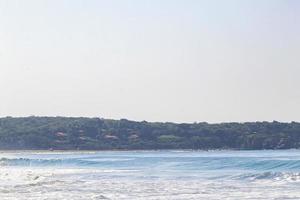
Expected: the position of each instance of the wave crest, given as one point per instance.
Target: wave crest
(273, 176)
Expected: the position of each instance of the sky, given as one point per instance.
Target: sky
(153, 60)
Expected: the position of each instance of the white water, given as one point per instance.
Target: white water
(151, 175)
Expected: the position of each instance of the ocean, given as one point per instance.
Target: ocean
(150, 175)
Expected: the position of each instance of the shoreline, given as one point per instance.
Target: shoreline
(137, 150)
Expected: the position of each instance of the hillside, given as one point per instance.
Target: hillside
(63, 133)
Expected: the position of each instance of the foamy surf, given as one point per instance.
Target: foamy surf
(151, 175)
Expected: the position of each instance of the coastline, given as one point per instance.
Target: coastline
(142, 150)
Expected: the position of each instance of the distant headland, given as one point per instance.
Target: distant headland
(78, 133)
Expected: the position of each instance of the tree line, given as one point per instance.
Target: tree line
(70, 133)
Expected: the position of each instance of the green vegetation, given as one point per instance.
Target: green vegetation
(102, 134)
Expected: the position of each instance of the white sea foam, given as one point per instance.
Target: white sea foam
(133, 177)
(78, 185)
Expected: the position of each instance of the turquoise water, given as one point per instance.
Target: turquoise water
(151, 175)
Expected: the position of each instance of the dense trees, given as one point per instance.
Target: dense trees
(98, 134)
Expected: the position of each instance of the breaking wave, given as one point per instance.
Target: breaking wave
(184, 175)
(56, 162)
(273, 176)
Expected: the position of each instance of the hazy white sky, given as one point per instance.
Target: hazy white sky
(155, 60)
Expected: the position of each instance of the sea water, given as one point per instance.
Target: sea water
(150, 175)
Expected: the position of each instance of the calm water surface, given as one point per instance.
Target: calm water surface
(172, 175)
